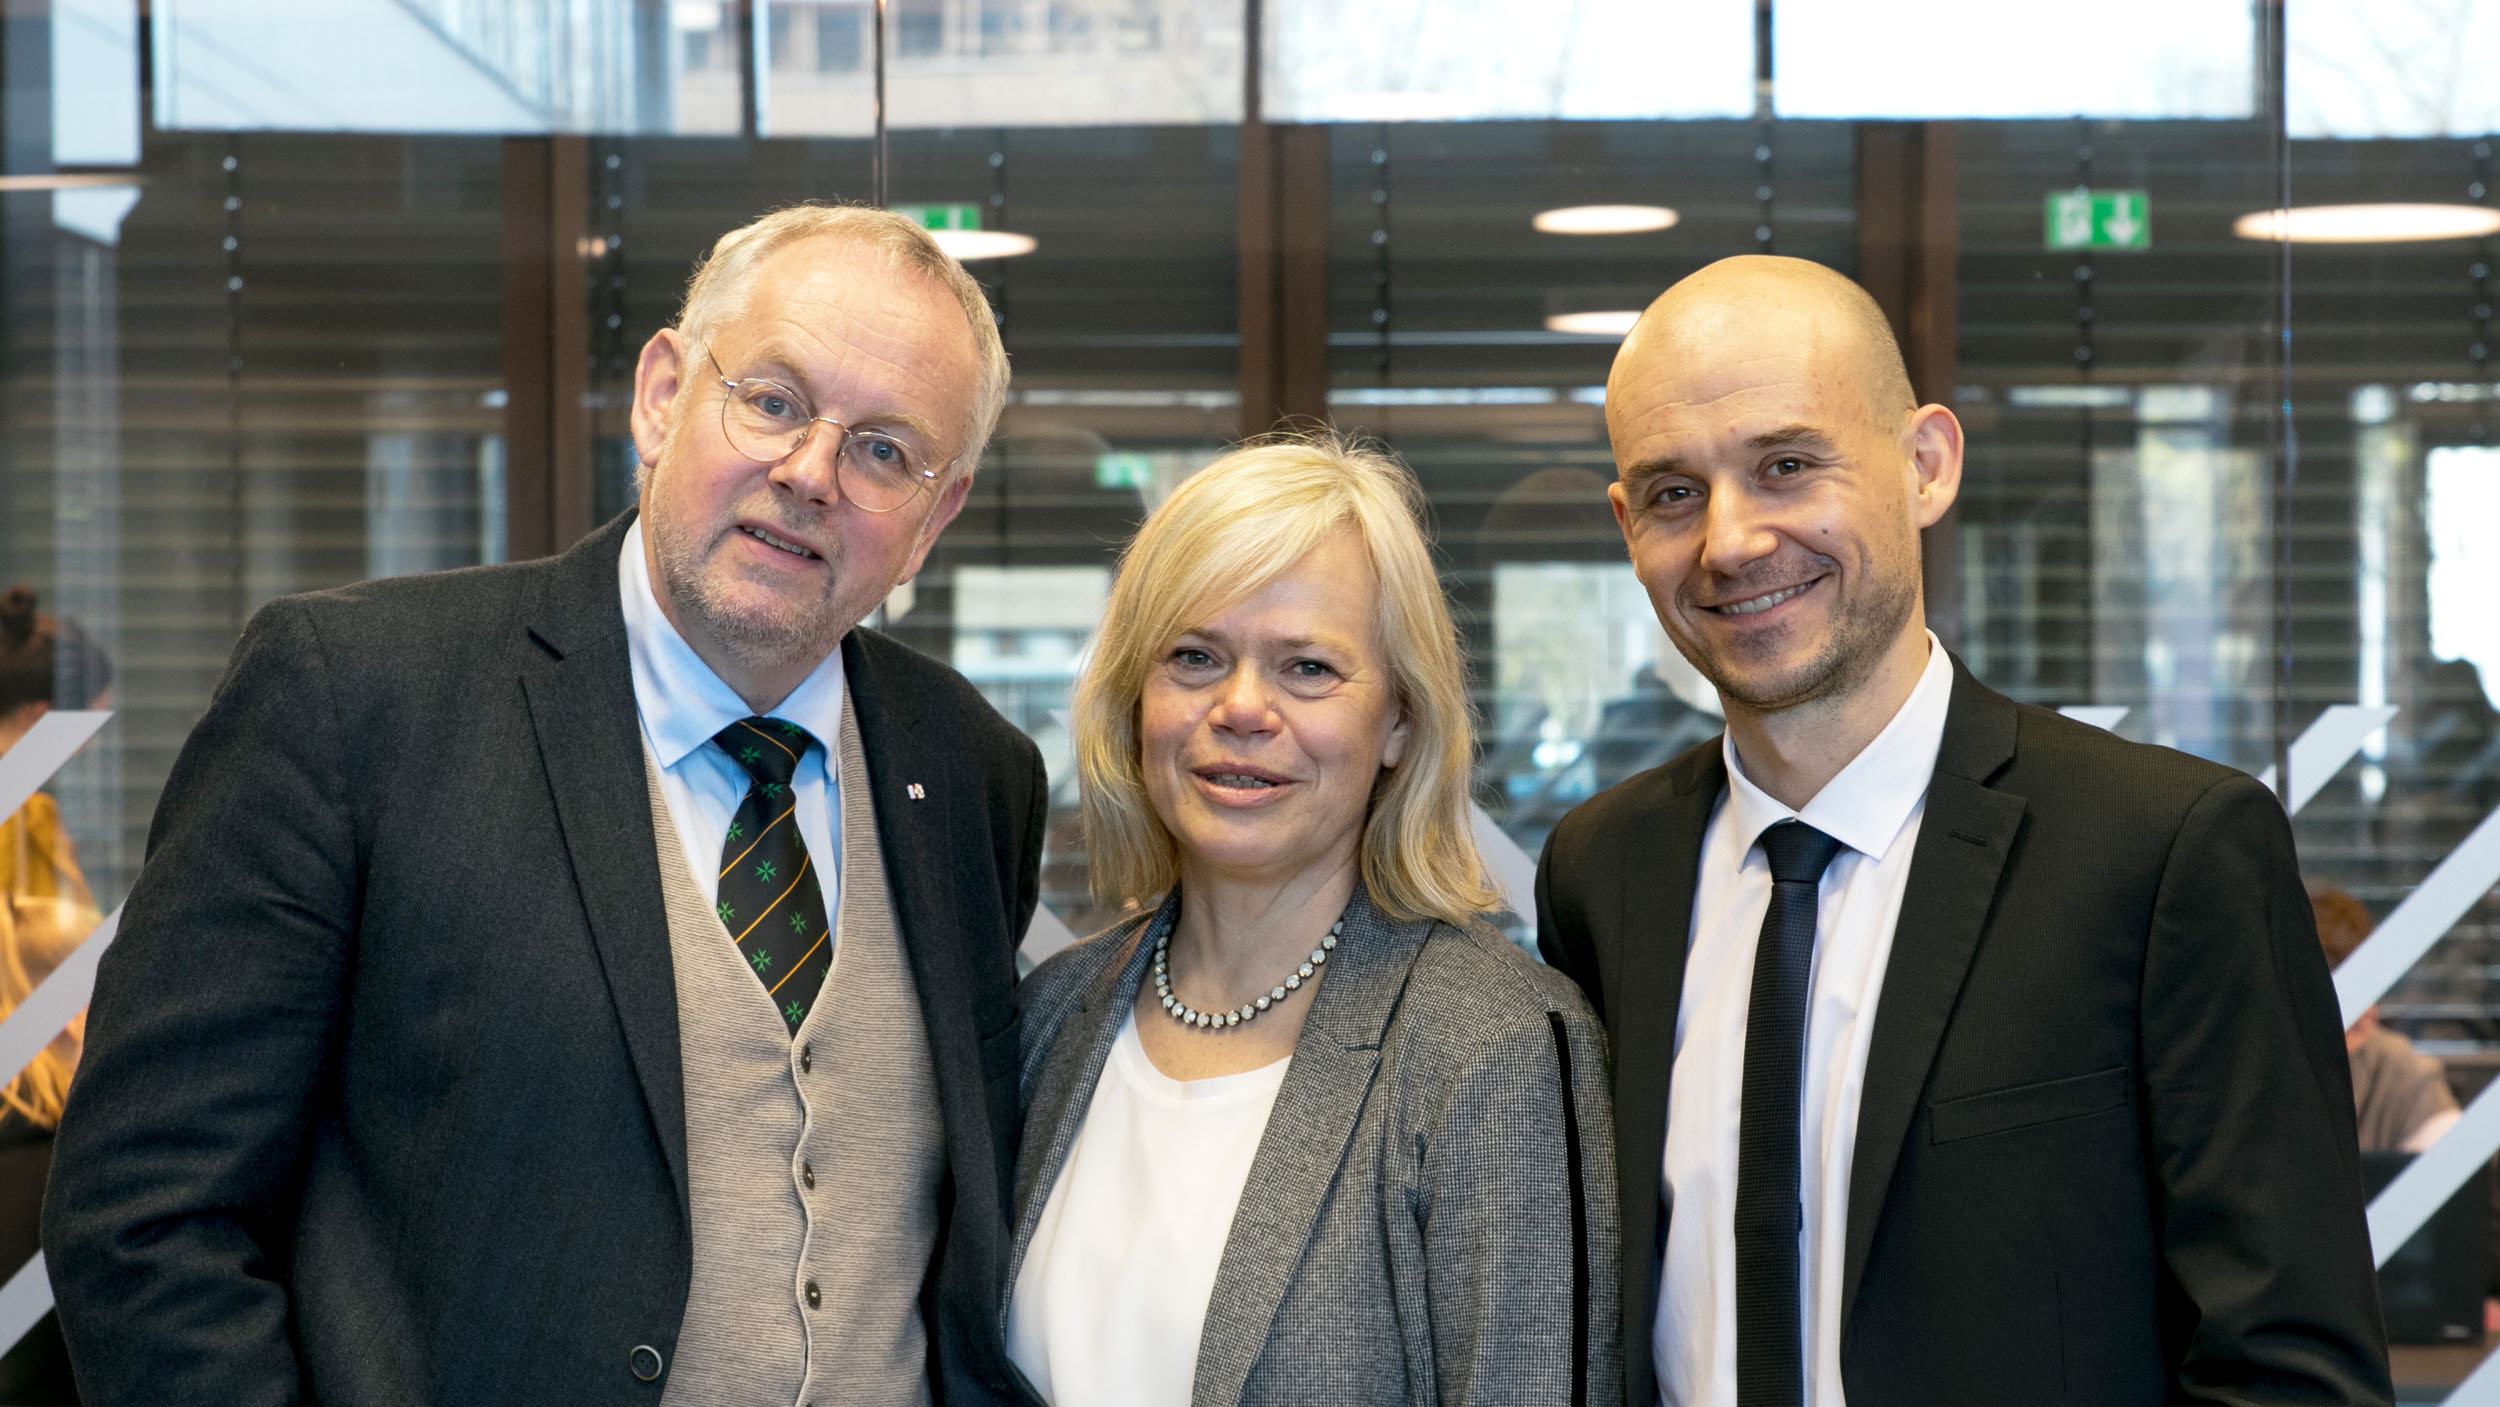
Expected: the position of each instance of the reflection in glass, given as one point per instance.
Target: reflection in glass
(1984, 59)
(2179, 581)
(425, 66)
(2391, 68)
(983, 63)
(2463, 489)
(1470, 60)
(1020, 636)
(1588, 690)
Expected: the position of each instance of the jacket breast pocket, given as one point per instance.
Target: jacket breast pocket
(2027, 1106)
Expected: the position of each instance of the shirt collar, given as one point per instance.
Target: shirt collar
(1867, 804)
(683, 703)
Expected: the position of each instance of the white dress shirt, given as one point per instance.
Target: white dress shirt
(1872, 808)
(1112, 1297)
(683, 704)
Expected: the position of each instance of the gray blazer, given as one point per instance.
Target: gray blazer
(1430, 1217)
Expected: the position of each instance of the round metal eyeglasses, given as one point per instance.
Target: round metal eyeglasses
(768, 422)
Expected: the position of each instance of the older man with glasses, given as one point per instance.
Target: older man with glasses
(476, 1032)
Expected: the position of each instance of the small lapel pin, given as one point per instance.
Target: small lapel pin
(915, 791)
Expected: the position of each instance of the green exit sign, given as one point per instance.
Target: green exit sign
(958, 216)
(1124, 471)
(2083, 218)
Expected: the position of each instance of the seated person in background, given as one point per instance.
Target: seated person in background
(2400, 1094)
(44, 660)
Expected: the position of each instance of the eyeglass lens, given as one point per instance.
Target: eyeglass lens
(767, 423)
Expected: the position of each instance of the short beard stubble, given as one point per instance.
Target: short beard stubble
(1862, 630)
(761, 641)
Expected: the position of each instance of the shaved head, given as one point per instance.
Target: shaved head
(1693, 319)
(1774, 474)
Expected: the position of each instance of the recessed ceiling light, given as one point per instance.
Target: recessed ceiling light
(1605, 219)
(1615, 323)
(2367, 224)
(968, 245)
(68, 181)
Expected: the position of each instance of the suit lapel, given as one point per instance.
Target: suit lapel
(914, 786)
(581, 702)
(1964, 839)
(1299, 1155)
(1659, 876)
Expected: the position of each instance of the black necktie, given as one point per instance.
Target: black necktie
(769, 898)
(1770, 1338)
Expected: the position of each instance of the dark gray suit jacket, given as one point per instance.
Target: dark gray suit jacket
(1429, 1217)
(2105, 1154)
(382, 1102)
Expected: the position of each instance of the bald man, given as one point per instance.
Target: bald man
(1963, 1054)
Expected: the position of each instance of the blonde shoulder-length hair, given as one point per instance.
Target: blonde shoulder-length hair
(1228, 531)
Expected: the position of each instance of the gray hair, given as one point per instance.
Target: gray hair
(717, 292)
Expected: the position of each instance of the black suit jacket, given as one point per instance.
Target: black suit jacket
(2105, 1153)
(381, 1100)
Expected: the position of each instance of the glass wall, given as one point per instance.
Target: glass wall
(294, 302)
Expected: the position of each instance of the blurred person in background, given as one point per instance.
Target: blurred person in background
(1304, 1129)
(2400, 1095)
(44, 661)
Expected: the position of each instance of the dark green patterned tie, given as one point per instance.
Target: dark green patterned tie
(769, 899)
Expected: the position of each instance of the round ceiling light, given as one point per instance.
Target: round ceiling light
(1614, 323)
(70, 181)
(1605, 219)
(2367, 224)
(968, 245)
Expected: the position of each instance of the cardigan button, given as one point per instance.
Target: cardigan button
(644, 1362)
(815, 1297)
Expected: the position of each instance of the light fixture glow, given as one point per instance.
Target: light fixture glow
(2367, 224)
(69, 181)
(968, 245)
(1605, 219)
(1614, 323)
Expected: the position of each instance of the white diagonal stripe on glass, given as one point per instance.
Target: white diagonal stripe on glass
(2429, 911)
(1513, 868)
(25, 766)
(35, 757)
(2324, 747)
(2481, 1387)
(2101, 716)
(24, 1301)
(2426, 1183)
(28, 1295)
(1047, 934)
(50, 1006)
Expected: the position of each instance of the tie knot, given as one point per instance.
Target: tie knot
(768, 748)
(1798, 852)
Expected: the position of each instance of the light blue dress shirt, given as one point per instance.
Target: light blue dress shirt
(683, 704)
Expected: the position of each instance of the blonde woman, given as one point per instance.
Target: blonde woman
(1305, 1129)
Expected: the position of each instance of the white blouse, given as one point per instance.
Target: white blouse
(1113, 1292)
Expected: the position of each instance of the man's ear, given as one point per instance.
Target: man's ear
(1934, 441)
(658, 377)
(950, 502)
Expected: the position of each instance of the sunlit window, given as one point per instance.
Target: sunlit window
(2463, 492)
(1987, 59)
(1459, 60)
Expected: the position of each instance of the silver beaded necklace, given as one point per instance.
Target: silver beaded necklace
(1223, 1020)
